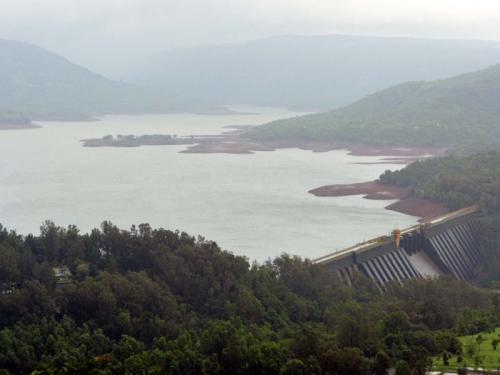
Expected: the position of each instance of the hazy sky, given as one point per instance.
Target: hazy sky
(105, 35)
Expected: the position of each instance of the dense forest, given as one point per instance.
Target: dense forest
(457, 182)
(458, 112)
(156, 301)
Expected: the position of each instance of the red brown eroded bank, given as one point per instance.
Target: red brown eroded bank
(422, 208)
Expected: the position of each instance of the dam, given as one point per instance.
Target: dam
(447, 245)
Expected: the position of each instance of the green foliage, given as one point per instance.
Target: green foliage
(478, 352)
(402, 368)
(461, 111)
(381, 364)
(156, 301)
(474, 321)
(457, 182)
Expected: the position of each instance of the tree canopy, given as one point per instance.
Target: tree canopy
(159, 301)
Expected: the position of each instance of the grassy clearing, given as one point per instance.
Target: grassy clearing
(476, 353)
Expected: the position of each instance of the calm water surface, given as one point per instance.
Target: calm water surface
(253, 205)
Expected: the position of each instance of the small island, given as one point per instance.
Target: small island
(210, 141)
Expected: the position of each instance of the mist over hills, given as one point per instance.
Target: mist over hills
(460, 111)
(310, 72)
(36, 83)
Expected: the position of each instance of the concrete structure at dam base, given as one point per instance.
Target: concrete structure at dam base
(449, 244)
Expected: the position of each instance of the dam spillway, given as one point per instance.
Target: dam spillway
(447, 245)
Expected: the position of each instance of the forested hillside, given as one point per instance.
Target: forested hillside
(463, 111)
(35, 83)
(318, 72)
(457, 182)
(157, 301)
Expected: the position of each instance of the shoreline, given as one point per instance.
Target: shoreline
(28, 123)
(424, 209)
(27, 126)
(234, 143)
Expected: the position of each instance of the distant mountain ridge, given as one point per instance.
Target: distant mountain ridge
(460, 111)
(310, 72)
(36, 83)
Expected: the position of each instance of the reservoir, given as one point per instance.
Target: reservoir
(254, 205)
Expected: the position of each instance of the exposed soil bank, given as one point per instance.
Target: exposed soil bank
(234, 141)
(401, 160)
(231, 143)
(370, 190)
(422, 208)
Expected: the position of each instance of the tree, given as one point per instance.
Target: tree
(9, 271)
(294, 367)
(480, 339)
(345, 361)
(402, 368)
(126, 347)
(158, 301)
(381, 363)
(471, 349)
(494, 343)
(446, 358)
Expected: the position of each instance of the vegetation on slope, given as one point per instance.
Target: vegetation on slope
(165, 302)
(35, 83)
(462, 111)
(457, 182)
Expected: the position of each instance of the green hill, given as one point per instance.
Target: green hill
(35, 83)
(458, 111)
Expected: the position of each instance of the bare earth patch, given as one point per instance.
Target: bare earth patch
(233, 143)
(370, 190)
(422, 208)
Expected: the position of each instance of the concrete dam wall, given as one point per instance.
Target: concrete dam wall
(446, 245)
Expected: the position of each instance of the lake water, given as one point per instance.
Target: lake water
(253, 205)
